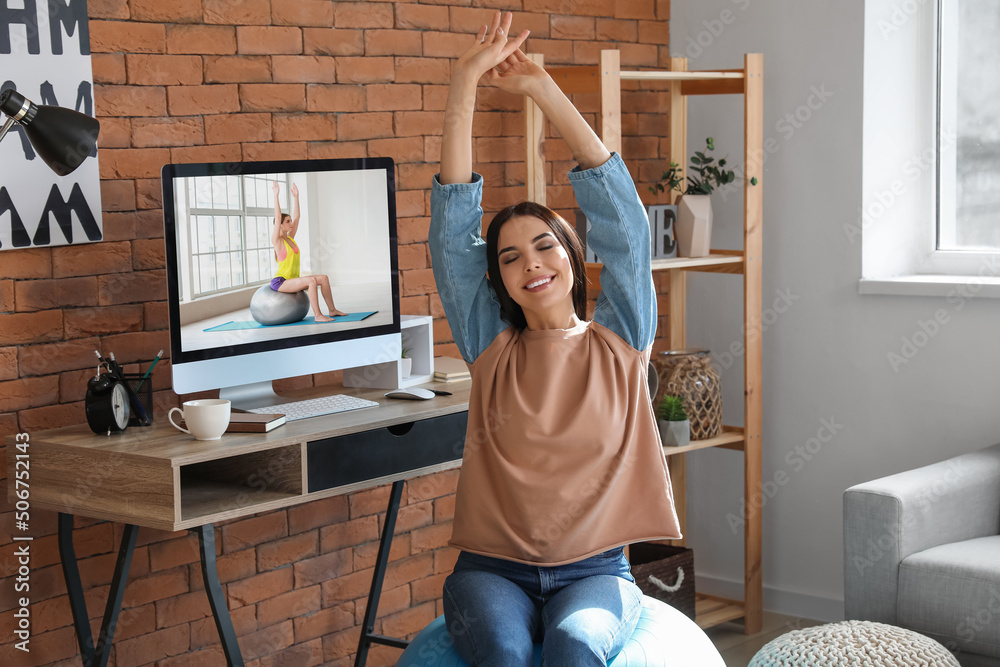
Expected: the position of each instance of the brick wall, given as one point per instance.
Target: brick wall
(217, 80)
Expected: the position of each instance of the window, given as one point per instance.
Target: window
(968, 126)
(230, 221)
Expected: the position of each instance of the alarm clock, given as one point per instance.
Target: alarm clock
(107, 403)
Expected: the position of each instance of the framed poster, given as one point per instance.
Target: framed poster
(45, 56)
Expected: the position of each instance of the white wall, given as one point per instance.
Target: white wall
(826, 357)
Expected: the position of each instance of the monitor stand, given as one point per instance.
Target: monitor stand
(253, 395)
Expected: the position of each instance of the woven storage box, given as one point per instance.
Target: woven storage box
(665, 573)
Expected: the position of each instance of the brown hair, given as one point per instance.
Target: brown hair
(566, 236)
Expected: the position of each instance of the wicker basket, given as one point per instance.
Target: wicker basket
(665, 573)
(690, 374)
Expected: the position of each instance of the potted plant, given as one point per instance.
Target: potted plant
(405, 363)
(693, 228)
(675, 428)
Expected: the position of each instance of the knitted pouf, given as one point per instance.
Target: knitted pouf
(853, 644)
(664, 637)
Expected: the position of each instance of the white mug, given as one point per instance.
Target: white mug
(206, 417)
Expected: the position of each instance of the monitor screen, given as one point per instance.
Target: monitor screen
(253, 249)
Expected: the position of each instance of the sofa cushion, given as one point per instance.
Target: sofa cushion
(952, 593)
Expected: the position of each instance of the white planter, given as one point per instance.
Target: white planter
(694, 225)
(675, 434)
(405, 366)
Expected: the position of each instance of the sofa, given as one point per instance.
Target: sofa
(922, 551)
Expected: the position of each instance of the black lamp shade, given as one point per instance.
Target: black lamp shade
(63, 138)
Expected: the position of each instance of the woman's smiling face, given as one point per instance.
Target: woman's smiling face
(536, 269)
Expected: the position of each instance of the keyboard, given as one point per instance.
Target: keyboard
(314, 407)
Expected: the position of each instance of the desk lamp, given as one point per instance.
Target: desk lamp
(63, 138)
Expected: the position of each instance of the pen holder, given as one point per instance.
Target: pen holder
(143, 394)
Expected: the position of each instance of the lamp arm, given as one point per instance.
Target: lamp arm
(6, 126)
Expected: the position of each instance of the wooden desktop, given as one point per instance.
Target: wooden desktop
(158, 477)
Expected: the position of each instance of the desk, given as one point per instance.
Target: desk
(158, 477)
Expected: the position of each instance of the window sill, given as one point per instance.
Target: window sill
(932, 285)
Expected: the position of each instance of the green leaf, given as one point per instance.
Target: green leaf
(753, 181)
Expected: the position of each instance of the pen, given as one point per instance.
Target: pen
(149, 370)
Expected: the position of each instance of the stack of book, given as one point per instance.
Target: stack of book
(448, 369)
(247, 422)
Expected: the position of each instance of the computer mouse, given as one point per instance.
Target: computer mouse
(411, 393)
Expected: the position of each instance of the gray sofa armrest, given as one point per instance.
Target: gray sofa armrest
(888, 519)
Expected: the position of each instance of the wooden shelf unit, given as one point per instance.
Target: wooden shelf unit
(606, 79)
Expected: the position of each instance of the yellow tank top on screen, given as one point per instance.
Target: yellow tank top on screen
(288, 268)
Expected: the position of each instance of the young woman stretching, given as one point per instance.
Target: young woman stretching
(562, 464)
(287, 278)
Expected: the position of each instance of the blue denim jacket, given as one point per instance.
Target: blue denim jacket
(619, 235)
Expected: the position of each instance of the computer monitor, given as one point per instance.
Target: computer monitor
(218, 220)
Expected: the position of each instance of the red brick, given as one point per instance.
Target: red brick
(428, 589)
(108, 9)
(198, 100)
(302, 12)
(635, 9)
(108, 67)
(286, 150)
(273, 97)
(140, 346)
(432, 486)
(393, 43)
(265, 642)
(28, 392)
(349, 533)
(365, 70)
(320, 568)
(430, 538)
(235, 566)
(234, 128)
(148, 132)
(414, 516)
(366, 554)
(154, 646)
(413, 305)
(253, 531)
(148, 254)
(182, 609)
(404, 149)
(317, 513)
(333, 42)
(580, 7)
(418, 123)
(556, 51)
(304, 127)
(639, 55)
(392, 97)
(363, 15)
(118, 196)
(409, 622)
(157, 586)
(117, 132)
(260, 587)
(133, 162)
(127, 37)
(301, 654)
(304, 69)
(268, 40)
(413, 230)
(178, 11)
(48, 647)
(622, 30)
(6, 296)
(445, 44)
(245, 12)
(205, 634)
(237, 69)
(149, 193)
(135, 287)
(91, 259)
(422, 70)
(422, 17)
(572, 27)
(27, 263)
(127, 101)
(201, 39)
(371, 501)
(335, 98)
(291, 605)
(53, 416)
(287, 551)
(341, 644)
(220, 153)
(468, 20)
(334, 150)
(57, 357)
(353, 126)
(412, 257)
(8, 363)
(324, 621)
(80, 322)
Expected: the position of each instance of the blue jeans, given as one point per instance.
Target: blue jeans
(582, 613)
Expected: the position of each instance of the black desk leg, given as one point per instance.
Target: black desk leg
(368, 636)
(216, 598)
(95, 657)
(74, 588)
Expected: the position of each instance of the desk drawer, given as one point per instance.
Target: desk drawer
(347, 459)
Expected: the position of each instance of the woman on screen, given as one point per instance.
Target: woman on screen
(287, 278)
(562, 464)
